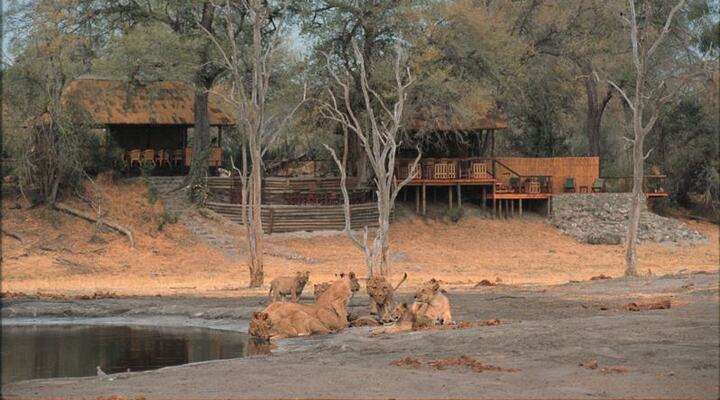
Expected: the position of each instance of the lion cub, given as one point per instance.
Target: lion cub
(288, 286)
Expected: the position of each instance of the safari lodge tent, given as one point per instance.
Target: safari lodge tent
(151, 123)
(459, 162)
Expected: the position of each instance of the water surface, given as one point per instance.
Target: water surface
(51, 351)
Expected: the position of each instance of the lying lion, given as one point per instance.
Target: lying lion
(406, 319)
(431, 304)
(381, 294)
(320, 288)
(288, 286)
(328, 314)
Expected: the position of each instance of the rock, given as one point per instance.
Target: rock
(603, 238)
(601, 218)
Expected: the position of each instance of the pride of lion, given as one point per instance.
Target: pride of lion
(329, 312)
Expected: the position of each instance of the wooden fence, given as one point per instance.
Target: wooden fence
(290, 218)
(584, 170)
(275, 190)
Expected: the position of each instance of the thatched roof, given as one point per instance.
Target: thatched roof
(445, 121)
(115, 102)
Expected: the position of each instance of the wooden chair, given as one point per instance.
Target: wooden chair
(445, 169)
(583, 189)
(533, 186)
(215, 159)
(162, 158)
(148, 156)
(478, 170)
(134, 156)
(570, 185)
(188, 156)
(177, 157)
(599, 185)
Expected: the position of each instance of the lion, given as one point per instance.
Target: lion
(288, 286)
(320, 288)
(432, 304)
(406, 319)
(328, 314)
(381, 294)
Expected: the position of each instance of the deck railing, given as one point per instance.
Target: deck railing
(481, 170)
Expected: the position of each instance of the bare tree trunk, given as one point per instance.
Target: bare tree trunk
(201, 140)
(641, 59)
(595, 107)
(379, 138)
(248, 61)
(635, 210)
(254, 228)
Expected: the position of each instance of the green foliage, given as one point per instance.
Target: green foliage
(693, 166)
(152, 194)
(166, 218)
(148, 52)
(199, 194)
(455, 214)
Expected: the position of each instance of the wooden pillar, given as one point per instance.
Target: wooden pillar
(492, 152)
(450, 190)
(424, 200)
(512, 207)
(521, 210)
(459, 195)
(482, 197)
(501, 209)
(417, 199)
(494, 201)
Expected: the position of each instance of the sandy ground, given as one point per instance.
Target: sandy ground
(546, 332)
(61, 255)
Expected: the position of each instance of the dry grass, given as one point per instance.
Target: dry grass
(62, 254)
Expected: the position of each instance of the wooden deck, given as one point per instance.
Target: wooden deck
(453, 182)
(519, 196)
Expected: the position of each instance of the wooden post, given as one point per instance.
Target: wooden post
(512, 207)
(482, 197)
(424, 200)
(417, 200)
(450, 195)
(494, 201)
(459, 195)
(521, 210)
(492, 152)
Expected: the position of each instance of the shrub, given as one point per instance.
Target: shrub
(454, 214)
(167, 217)
(152, 194)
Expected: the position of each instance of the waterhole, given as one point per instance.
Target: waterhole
(53, 351)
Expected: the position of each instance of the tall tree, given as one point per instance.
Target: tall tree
(249, 54)
(587, 34)
(380, 139)
(650, 93)
(374, 25)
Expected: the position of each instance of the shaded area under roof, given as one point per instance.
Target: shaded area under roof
(116, 102)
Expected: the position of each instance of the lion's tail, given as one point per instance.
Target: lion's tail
(401, 281)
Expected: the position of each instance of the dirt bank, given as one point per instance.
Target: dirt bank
(546, 332)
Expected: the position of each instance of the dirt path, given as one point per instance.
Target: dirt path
(546, 331)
